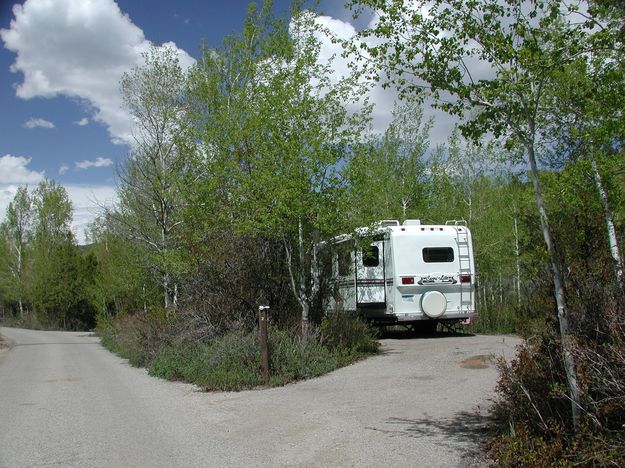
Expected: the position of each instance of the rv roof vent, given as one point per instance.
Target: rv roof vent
(389, 222)
(412, 222)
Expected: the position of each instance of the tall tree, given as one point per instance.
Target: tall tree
(444, 46)
(54, 268)
(275, 128)
(121, 286)
(151, 179)
(52, 214)
(588, 102)
(16, 229)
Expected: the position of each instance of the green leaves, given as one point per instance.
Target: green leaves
(278, 131)
(386, 175)
(514, 47)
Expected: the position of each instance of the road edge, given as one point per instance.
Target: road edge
(5, 344)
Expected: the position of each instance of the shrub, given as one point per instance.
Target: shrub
(187, 363)
(347, 337)
(492, 319)
(534, 408)
(231, 361)
(137, 337)
(293, 358)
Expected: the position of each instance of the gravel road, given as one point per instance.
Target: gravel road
(66, 401)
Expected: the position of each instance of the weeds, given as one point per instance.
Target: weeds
(533, 408)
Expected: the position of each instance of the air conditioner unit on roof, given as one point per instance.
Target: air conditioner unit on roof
(389, 222)
(412, 222)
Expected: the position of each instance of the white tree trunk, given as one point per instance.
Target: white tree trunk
(19, 277)
(164, 254)
(299, 282)
(558, 283)
(295, 287)
(609, 220)
(302, 282)
(166, 291)
(517, 254)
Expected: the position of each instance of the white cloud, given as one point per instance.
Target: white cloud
(14, 170)
(383, 99)
(98, 162)
(33, 123)
(78, 48)
(63, 169)
(82, 122)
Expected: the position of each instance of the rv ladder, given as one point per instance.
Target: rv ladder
(464, 260)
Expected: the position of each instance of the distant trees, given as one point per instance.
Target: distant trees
(46, 271)
(386, 174)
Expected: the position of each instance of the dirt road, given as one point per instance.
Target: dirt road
(66, 401)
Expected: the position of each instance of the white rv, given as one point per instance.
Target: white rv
(409, 274)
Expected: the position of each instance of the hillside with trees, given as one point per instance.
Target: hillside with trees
(245, 163)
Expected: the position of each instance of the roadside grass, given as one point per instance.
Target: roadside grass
(29, 321)
(231, 362)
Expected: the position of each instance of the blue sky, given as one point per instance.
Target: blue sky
(60, 64)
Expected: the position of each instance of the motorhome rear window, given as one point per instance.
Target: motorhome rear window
(371, 256)
(438, 254)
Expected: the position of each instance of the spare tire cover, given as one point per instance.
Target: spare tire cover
(433, 304)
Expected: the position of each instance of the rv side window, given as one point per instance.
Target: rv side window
(370, 256)
(438, 255)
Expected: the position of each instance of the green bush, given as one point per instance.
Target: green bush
(495, 320)
(186, 363)
(294, 358)
(232, 361)
(137, 337)
(347, 337)
(534, 410)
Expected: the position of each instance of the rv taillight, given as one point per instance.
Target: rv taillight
(407, 280)
(465, 278)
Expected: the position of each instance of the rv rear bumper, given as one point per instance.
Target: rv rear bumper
(390, 319)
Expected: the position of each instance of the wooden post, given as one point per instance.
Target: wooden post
(264, 347)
